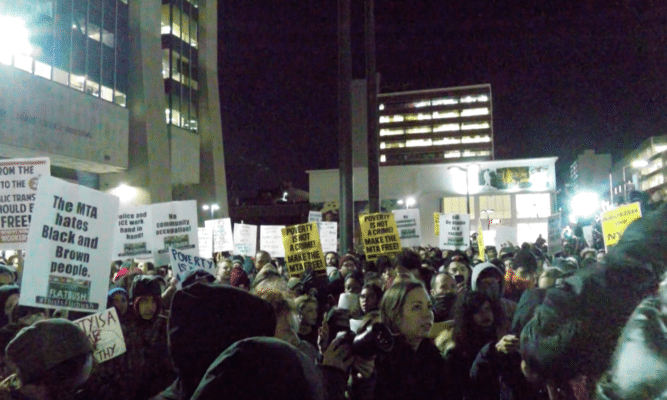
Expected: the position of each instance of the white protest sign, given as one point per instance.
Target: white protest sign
(454, 231)
(68, 257)
(205, 239)
(133, 235)
(175, 225)
(182, 263)
(18, 185)
(245, 239)
(505, 234)
(104, 332)
(271, 240)
(222, 234)
(314, 216)
(328, 236)
(408, 224)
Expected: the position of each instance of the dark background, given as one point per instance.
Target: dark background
(565, 76)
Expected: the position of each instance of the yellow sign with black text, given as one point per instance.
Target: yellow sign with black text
(303, 249)
(436, 219)
(615, 222)
(380, 235)
(480, 242)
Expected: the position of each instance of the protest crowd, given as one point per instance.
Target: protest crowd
(513, 322)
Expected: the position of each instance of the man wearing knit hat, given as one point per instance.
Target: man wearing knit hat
(522, 275)
(53, 358)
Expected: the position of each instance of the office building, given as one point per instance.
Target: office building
(121, 95)
(590, 172)
(644, 169)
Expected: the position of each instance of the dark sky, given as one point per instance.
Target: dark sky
(565, 75)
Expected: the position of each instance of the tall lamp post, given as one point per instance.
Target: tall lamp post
(212, 207)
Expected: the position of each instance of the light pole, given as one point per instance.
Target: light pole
(409, 202)
(465, 170)
(212, 207)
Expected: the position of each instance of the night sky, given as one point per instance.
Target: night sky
(565, 76)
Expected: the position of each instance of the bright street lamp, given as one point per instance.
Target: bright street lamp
(409, 202)
(212, 207)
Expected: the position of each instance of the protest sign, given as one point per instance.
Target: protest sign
(68, 258)
(182, 263)
(271, 240)
(18, 185)
(205, 239)
(222, 234)
(245, 239)
(436, 226)
(133, 236)
(380, 235)
(480, 242)
(314, 216)
(175, 225)
(615, 221)
(588, 235)
(104, 332)
(328, 236)
(408, 224)
(553, 241)
(454, 231)
(303, 249)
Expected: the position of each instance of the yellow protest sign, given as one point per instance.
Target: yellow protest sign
(380, 235)
(303, 249)
(615, 221)
(480, 242)
(436, 219)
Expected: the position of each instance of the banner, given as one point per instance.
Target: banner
(245, 239)
(409, 226)
(454, 231)
(314, 216)
(18, 185)
(553, 241)
(303, 249)
(222, 234)
(328, 236)
(436, 226)
(68, 256)
(615, 221)
(182, 263)
(380, 235)
(133, 234)
(205, 240)
(175, 225)
(480, 242)
(104, 332)
(271, 240)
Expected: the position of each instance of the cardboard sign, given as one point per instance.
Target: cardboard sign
(18, 187)
(553, 241)
(454, 231)
(436, 226)
(205, 240)
(175, 225)
(245, 239)
(303, 249)
(133, 236)
(614, 222)
(104, 332)
(380, 235)
(328, 236)
(314, 216)
(223, 240)
(408, 224)
(480, 242)
(68, 256)
(271, 240)
(182, 263)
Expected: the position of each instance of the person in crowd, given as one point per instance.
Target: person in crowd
(478, 320)
(491, 252)
(413, 369)
(407, 262)
(239, 279)
(7, 276)
(224, 272)
(489, 279)
(306, 307)
(523, 274)
(53, 359)
(423, 253)
(370, 297)
(9, 298)
(383, 266)
(599, 256)
(331, 259)
(443, 293)
(262, 259)
(587, 253)
(353, 283)
(268, 279)
(347, 264)
(205, 319)
(459, 267)
(119, 299)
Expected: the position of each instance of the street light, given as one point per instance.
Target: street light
(212, 207)
(409, 202)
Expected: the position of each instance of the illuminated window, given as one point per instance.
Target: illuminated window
(120, 98)
(383, 158)
(447, 141)
(475, 125)
(476, 139)
(76, 82)
(391, 118)
(533, 205)
(419, 129)
(418, 143)
(60, 76)
(457, 205)
(500, 204)
(417, 117)
(420, 104)
(474, 99)
(444, 101)
(530, 232)
(446, 128)
(92, 88)
(107, 93)
(381, 107)
(475, 111)
(453, 154)
(23, 62)
(445, 114)
(395, 145)
(43, 70)
(391, 132)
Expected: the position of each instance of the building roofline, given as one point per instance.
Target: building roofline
(435, 90)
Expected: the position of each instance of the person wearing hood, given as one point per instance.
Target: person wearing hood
(205, 319)
(489, 279)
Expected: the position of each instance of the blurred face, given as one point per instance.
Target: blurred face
(331, 260)
(491, 254)
(444, 283)
(224, 271)
(524, 273)
(489, 285)
(309, 314)
(347, 267)
(352, 286)
(545, 281)
(458, 268)
(509, 263)
(261, 259)
(599, 257)
(416, 315)
(483, 318)
(285, 328)
(368, 300)
(423, 254)
(147, 307)
(11, 302)
(119, 301)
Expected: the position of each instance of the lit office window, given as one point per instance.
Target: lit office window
(446, 128)
(383, 158)
(447, 141)
(423, 103)
(475, 125)
(391, 132)
(391, 118)
(43, 70)
(475, 111)
(476, 139)
(500, 204)
(419, 129)
(419, 143)
(457, 205)
(445, 101)
(417, 117)
(475, 99)
(445, 114)
(453, 154)
(395, 145)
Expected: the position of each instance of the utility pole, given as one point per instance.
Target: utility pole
(346, 225)
(372, 110)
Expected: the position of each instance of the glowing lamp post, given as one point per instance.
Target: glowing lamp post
(212, 207)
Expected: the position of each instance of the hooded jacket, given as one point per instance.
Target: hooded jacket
(509, 306)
